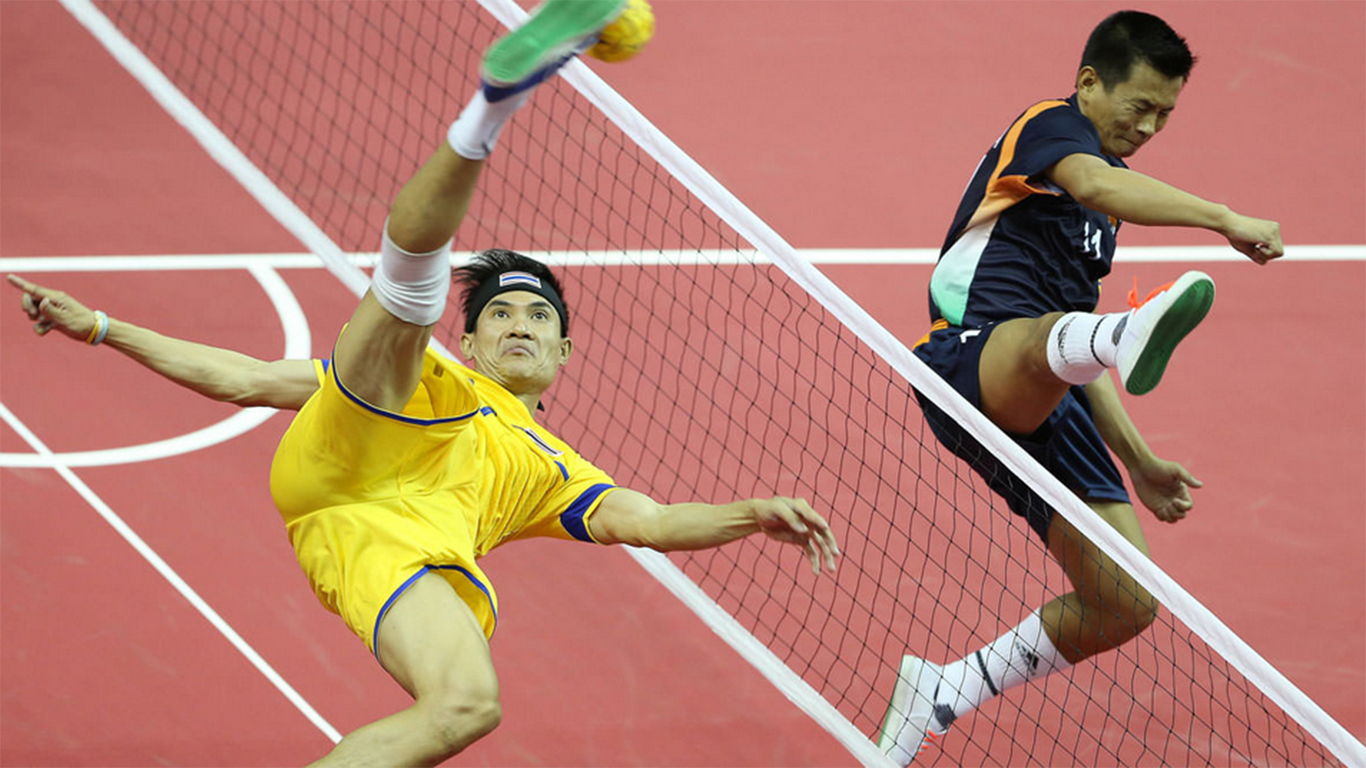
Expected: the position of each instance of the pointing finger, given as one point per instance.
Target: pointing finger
(26, 286)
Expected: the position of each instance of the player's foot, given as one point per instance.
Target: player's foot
(1151, 332)
(556, 31)
(913, 720)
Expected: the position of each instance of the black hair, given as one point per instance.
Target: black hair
(1128, 37)
(488, 265)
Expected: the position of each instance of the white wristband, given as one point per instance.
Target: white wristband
(100, 330)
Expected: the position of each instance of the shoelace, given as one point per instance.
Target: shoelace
(1133, 293)
(931, 739)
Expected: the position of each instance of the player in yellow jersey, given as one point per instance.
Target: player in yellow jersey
(402, 468)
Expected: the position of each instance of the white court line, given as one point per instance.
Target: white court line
(298, 345)
(760, 656)
(173, 578)
(218, 145)
(850, 256)
(758, 233)
(279, 205)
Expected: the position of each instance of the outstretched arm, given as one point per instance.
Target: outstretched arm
(220, 374)
(629, 517)
(1163, 486)
(1131, 196)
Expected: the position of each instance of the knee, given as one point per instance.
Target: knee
(460, 720)
(1034, 340)
(1137, 615)
(1144, 612)
(1117, 619)
(480, 716)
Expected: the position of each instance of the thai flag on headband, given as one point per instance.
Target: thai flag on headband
(518, 278)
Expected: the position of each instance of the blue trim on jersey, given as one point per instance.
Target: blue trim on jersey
(374, 637)
(326, 364)
(535, 438)
(572, 518)
(487, 411)
(398, 416)
(563, 470)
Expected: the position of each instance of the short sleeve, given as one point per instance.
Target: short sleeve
(1038, 141)
(565, 512)
(1046, 133)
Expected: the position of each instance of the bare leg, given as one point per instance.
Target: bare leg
(432, 644)
(423, 218)
(428, 210)
(1019, 390)
(1108, 608)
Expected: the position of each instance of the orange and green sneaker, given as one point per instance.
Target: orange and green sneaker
(1149, 335)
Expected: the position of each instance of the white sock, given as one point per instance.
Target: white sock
(1082, 345)
(475, 132)
(1024, 653)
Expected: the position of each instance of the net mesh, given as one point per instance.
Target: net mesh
(705, 373)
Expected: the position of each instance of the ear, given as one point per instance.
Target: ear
(467, 346)
(566, 349)
(1088, 80)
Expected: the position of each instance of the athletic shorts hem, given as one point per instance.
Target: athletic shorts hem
(424, 570)
(1068, 444)
(360, 402)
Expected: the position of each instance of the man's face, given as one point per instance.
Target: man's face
(1131, 112)
(517, 343)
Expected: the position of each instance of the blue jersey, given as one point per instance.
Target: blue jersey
(1020, 246)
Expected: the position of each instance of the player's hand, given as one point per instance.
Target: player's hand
(1164, 487)
(794, 521)
(1257, 239)
(49, 309)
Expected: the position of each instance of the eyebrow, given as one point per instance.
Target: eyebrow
(532, 305)
(1146, 104)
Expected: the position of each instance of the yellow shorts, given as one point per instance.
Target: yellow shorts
(372, 500)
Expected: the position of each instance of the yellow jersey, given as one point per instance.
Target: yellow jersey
(373, 499)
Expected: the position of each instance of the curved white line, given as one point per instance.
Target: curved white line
(298, 345)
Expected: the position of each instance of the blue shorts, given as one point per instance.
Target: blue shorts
(1068, 444)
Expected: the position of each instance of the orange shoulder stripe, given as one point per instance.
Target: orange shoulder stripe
(1003, 192)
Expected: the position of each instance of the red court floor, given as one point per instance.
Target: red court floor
(844, 124)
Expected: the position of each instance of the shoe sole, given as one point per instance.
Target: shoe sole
(1194, 292)
(886, 738)
(898, 709)
(553, 31)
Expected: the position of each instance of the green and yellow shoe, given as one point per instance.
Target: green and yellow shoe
(556, 31)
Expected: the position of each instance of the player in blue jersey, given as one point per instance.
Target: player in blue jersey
(1012, 303)
(402, 467)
